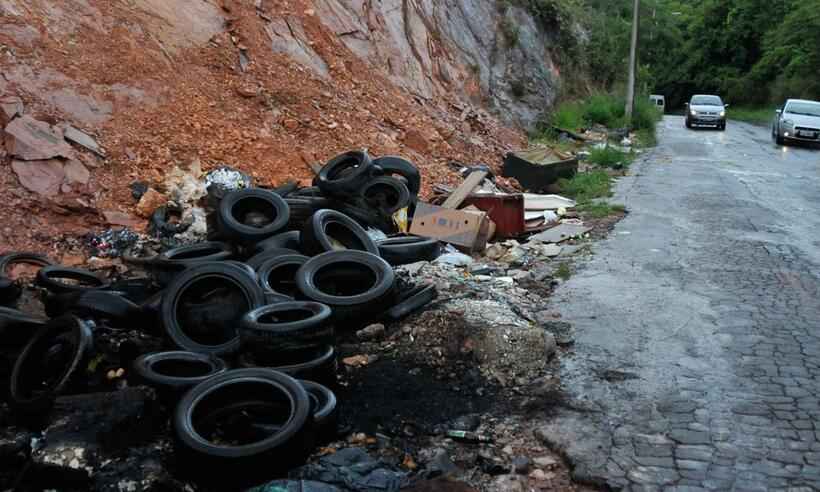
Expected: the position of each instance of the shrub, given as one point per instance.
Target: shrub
(569, 116)
(604, 109)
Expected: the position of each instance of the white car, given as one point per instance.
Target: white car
(797, 120)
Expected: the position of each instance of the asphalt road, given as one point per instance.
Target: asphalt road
(697, 361)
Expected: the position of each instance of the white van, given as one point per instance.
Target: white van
(658, 101)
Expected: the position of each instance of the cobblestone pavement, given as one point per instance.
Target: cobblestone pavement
(697, 362)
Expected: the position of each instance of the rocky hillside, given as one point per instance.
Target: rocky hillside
(266, 86)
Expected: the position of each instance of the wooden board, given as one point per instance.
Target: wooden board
(464, 190)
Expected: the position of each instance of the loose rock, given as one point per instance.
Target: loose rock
(372, 332)
(32, 140)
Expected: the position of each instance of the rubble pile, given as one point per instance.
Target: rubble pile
(231, 340)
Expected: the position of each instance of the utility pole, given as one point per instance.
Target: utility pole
(633, 54)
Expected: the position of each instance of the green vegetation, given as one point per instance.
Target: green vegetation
(610, 157)
(511, 32)
(752, 52)
(563, 271)
(590, 191)
(758, 116)
(587, 186)
(607, 110)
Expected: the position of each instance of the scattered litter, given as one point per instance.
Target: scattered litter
(561, 233)
(111, 243)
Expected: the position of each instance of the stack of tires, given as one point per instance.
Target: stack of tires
(249, 321)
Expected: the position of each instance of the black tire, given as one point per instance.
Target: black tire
(17, 327)
(325, 410)
(12, 258)
(779, 139)
(274, 298)
(302, 209)
(245, 268)
(386, 194)
(9, 291)
(278, 275)
(403, 250)
(286, 326)
(235, 209)
(722, 127)
(173, 373)
(413, 301)
(162, 226)
(96, 304)
(244, 463)
(688, 124)
(137, 290)
(355, 284)
(345, 174)
(365, 215)
(214, 323)
(318, 365)
(193, 254)
(388, 165)
(256, 261)
(283, 240)
(34, 386)
(327, 227)
(49, 278)
(308, 192)
(169, 264)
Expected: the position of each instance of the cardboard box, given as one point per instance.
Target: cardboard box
(468, 229)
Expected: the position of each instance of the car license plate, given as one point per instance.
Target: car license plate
(806, 134)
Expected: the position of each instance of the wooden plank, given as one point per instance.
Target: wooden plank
(464, 190)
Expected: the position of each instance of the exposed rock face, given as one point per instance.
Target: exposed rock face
(456, 46)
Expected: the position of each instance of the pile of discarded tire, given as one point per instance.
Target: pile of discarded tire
(249, 322)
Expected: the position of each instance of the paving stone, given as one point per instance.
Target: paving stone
(651, 475)
(690, 437)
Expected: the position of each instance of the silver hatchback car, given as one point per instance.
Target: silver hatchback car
(799, 120)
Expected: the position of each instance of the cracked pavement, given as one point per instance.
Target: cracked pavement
(697, 355)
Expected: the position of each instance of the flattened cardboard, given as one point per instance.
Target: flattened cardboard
(468, 229)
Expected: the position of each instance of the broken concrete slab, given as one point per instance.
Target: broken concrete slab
(32, 140)
(42, 177)
(10, 108)
(561, 233)
(82, 139)
(536, 202)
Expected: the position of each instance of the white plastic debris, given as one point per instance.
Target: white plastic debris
(455, 259)
(227, 178)
(376, 234)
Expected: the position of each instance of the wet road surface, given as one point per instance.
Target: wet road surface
(697, 360)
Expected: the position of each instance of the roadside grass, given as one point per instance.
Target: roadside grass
(609, 111)
(563, 272)
(610, 157)
(646, 138)
(585, 188)
(568, 115)
(599, 210)
(757, 116)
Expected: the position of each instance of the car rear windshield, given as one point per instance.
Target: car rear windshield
(804, 108)
(706, 101)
